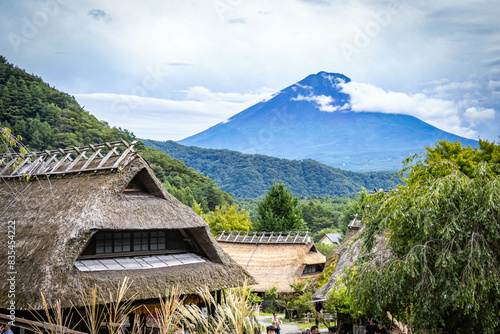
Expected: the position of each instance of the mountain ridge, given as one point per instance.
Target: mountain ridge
(251, 175)
(312, 119)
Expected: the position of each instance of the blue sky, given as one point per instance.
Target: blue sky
(169, 69)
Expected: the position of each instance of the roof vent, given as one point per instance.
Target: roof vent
(142, 185)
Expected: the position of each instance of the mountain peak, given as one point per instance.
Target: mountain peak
(312, 119)
(326, 77)
(325, 80)
(323, 90)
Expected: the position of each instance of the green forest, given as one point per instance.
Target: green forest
(251, 175)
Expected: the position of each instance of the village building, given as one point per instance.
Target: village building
(92, 216)
(274, 259)
(331, 239)
(343, 256)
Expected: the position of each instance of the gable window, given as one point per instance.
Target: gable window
(130, 243)
(311, 268)
(142, 186)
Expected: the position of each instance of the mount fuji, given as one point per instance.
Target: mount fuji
(313, 119)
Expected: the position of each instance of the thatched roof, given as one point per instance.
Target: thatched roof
(277, 260)
(56, 216)
(347, 252)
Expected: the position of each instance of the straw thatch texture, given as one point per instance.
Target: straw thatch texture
(274, 265)
(56, 217)
(348, 251)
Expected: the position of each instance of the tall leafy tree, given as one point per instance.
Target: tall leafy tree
(442, 267)
(279, 211)
(228, 218)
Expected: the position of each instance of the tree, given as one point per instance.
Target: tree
(275, 303)
(320, 216)
(299, 299)
(443, 236)
(279, 211)
(225, 219)
(324, 249)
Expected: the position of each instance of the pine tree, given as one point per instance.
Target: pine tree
(279, 211)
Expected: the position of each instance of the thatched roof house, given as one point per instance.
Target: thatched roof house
(95, 215)
(274, 259)
(347, 252)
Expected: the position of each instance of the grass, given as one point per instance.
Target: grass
(232, 314)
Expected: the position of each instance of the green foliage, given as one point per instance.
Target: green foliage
(249, 294)
(331, 208)
(226, 219)
(299, 299)
(253, 298)
(324, 248)
(319, 216)
(341, 301)
(326, 274)
(11, 144)
(444, 236)
(272, 296)
(251, 175)
(466, 158)
(249, 204)
(279, 211)
(47, 119)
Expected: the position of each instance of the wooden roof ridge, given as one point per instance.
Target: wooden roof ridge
(104, 156)
(250, 237)
(356, 222)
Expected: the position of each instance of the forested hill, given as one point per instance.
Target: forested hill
(49, 119)
(251, 175)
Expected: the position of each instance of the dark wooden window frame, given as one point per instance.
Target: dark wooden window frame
(128, 243)
(312, 268)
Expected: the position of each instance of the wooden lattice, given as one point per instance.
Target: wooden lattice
(291, 237)
(62, 161)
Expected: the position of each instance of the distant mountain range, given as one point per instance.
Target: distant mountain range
(251, 175)
(312, 119)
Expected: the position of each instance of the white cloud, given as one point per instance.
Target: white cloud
(492, 85)
(465, 85)
(163, 119)
(478, 115)
(323, 101)
(440, 113)
(244, 45)
(200, 93)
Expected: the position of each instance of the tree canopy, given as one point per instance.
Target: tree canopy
(229, 218)
(442, 266)
(279, 211)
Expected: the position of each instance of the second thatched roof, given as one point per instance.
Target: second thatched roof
(274, 259)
